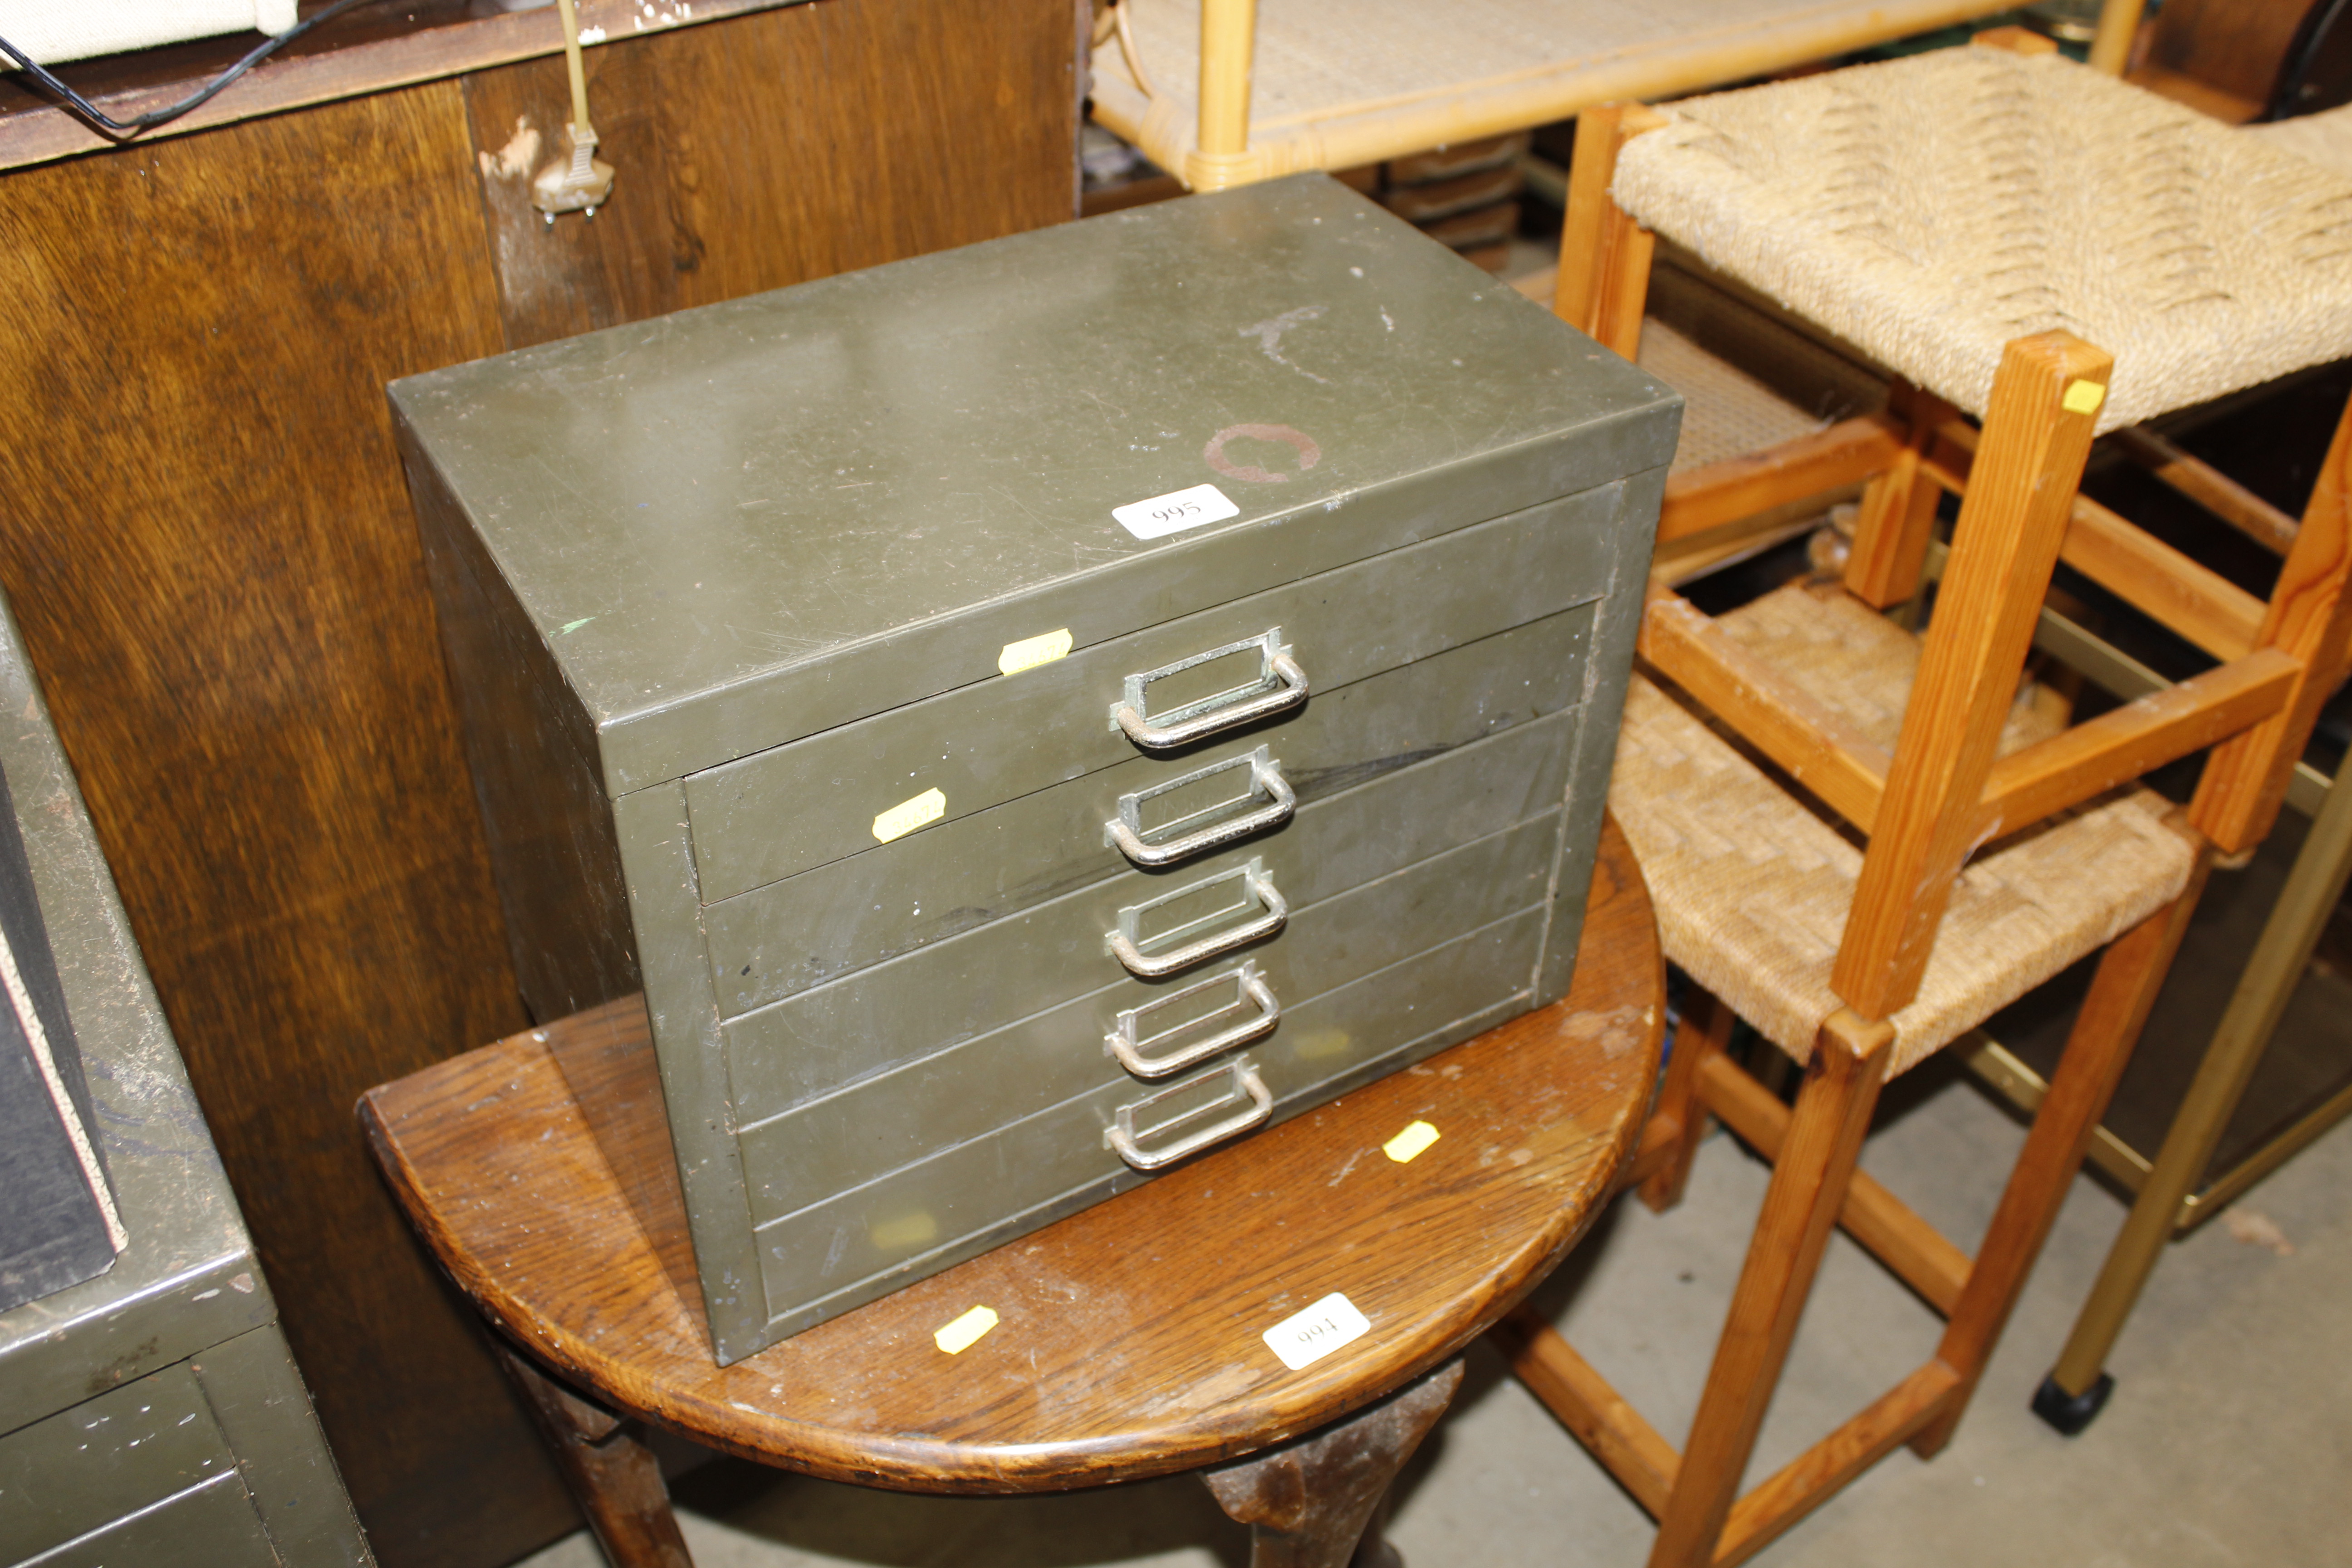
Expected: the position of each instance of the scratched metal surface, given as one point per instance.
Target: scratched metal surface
(188, 1279)
(707, 514)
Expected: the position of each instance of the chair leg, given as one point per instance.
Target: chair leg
(1898, 512)
(1706, 1030)
(1604, 254)
(2122, 992)
(1800, 1207)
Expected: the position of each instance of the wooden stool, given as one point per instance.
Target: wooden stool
(1124, 1342)
(1892, 849)
(2179, 1184)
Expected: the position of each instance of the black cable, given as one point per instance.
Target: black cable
(122, 129)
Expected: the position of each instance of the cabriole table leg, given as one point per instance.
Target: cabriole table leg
(1318, 1502)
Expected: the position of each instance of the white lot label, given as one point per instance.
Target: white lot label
(1175, 512)
(1305, 1338)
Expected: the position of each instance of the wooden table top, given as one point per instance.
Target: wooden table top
(1129, 1335)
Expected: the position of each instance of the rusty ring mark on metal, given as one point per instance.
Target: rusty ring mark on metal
(1213, 454)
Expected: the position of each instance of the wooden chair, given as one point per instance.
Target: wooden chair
(2179, 1184)
(1893, 844)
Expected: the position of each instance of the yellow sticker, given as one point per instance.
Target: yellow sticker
(1031, 652)
(2084, 396)
(965, 1332)
(905, 1232)
(1407, 1144)
(908, 814)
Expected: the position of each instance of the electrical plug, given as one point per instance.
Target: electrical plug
(579, 183)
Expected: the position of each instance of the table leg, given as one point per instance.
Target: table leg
(612, 1473)
(1321, 1501)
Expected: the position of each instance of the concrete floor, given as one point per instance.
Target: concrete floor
(2229, 1440)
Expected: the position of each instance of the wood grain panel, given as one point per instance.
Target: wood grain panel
(2236, 48)
(208, 544)
(793, 144)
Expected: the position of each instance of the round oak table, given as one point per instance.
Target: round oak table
(1128, 1339)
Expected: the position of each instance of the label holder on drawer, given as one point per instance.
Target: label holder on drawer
(1127, 830)
(1256, 883)
(1250, 990)
(1281, 685)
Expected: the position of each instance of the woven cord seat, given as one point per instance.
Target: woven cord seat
(1917, 845)
(1752, 889)
(1933, 209)
(1331, 84)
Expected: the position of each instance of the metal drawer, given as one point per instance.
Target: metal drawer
(65, 1480)
(800, 805)
(890, 1012)
(857, 1246)
(213, 1525)
(806, 930)
(880, 1124)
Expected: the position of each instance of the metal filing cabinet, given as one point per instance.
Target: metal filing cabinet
(150, 1415)
(1028, 713)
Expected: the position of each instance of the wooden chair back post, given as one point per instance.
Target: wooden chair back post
(2309, 618)
(2037, 436)
(1604, 254)
(1898, 516)
(2111, 46)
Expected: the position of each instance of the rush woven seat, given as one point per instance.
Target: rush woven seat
(1752, 889)
(1934, 208)
(1331, 84)
(1870, 841)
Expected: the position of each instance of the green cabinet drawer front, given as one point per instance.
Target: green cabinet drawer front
(815, 800)
(864, 1243)
(85, 1467)
(210, 1526)
(800, 932)
(876, 1125)
(890, 1012)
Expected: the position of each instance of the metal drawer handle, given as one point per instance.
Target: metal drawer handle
(1126, 829)
(1249, 986)
(1256, 881)
(1246, 1084)
(1280, 685)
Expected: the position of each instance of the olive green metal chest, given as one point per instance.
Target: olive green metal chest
(1027, 714)
(150, 1415)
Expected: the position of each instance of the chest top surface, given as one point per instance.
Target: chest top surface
(704, 515)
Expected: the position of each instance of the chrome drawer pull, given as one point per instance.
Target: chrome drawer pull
(1126, 829)
(1246, 1084)
(1249, 986)
(1280, 685)
(1256, 881)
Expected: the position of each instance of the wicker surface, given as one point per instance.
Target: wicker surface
(1339, 82)
(1752, 889)
(1930, 209)
(2322, 139)
(1726, 410)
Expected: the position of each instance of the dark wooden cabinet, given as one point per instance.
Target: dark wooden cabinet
(208, 544)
